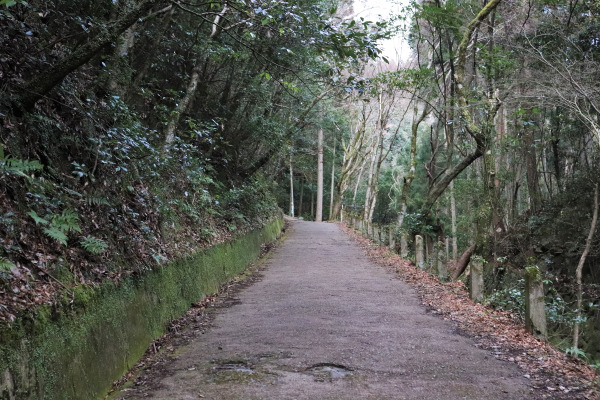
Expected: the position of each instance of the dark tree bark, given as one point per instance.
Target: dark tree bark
(463, 262)
(44, 82)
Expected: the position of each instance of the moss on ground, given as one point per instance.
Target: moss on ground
(78, 350)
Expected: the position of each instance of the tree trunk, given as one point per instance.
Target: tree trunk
(352, 161)
(410, 175)
(331, 215)
(152, 48)
(301, 200)
(119, 59)
(478, 133)
(319, 215)
(369, 192)
(360, 172)
(182, 107)
(190, 91)
(312, 204)
(462, 264)
(453, 218)
(533, 179)
(42, 83)
(578, 271)
(291, 187)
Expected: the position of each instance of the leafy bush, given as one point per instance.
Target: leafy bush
(509, 298)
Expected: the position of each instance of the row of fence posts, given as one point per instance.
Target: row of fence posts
(437, 264)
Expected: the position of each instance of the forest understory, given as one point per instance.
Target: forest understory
(136, 132)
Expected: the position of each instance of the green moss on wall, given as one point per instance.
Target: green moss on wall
(78, 352)
(532, 274)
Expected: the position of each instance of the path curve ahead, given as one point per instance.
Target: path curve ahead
(327, 323)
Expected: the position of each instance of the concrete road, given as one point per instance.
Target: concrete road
(326, 323)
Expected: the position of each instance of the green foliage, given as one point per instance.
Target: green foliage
(419, 223)
(59, 224)
(37, 218)
(495, 61)
(509, 298)
(93, 244)
(56, 234)
(67, 221)
(575, 352)
(533, 273)
(5, 265)
(558, 311)
(94, 199)
(99, 136)
(10, 3)
(14, 166)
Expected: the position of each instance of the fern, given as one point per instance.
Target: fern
(5, 265)
(38, 220)
(97, 200)
(93, 244)
(59, 226)
(67, 221)
(14, 166)
(57, 234)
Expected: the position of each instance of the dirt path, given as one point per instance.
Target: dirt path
(326, 323)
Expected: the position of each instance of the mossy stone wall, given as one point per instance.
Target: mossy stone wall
(79, 353)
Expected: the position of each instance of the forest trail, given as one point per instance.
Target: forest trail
(324, 322)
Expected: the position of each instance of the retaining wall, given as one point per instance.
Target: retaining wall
(78, 353)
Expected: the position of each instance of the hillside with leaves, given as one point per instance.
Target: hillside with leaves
(134, 132)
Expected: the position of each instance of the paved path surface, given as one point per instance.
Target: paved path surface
(326, 323)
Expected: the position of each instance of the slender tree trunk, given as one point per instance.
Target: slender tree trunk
(319, 215)
(453, 218)
(301, 200)
(331, 215)
(369, 192)
(182, 106)
(381, 155)
(579, 270)
(291, 187)
(152, 47)
(360, 172)
(352, 161)
(410, 175)
(533, 180)
(119, 59)
(312, 204)
(190, 91)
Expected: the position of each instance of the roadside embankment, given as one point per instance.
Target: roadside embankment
(78, 350)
